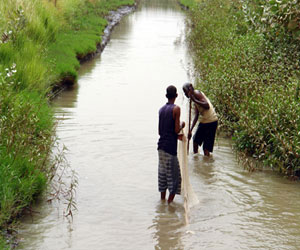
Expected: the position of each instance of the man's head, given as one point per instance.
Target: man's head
(187, 87)
(171, 92)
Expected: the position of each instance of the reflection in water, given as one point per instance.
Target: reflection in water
(167, 222)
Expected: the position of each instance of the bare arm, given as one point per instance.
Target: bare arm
(195, 118)
(176, 115)
(198, 98)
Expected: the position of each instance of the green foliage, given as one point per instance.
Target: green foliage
(251, 79)
(26, 140)
(25, 30)
(188, 3)
(30, 18)
(39, 45)
(85, 22)
(276, 19)
(79, 38)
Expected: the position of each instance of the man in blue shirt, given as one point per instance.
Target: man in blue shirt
(169, 126)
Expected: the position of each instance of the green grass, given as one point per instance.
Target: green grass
(26, 123)
(81, 35)
(3, 244)
(39, 46)
(188, 3)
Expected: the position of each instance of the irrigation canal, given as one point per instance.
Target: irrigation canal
(109, 121)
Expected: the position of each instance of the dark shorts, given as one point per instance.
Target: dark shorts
(205, 134)
(169, 176)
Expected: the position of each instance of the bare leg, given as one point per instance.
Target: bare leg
(206, 152)
(163, 195)
(171, 198)
(195, 146)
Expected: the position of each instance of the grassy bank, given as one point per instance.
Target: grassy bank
(80, 35)
(40, 44)
(249, 67)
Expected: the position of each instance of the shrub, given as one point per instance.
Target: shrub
(251, 79)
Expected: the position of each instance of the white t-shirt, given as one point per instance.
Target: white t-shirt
(207, 115)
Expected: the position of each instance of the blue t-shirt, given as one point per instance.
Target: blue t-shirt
(168, 138)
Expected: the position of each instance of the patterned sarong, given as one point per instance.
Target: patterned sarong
(169, 176)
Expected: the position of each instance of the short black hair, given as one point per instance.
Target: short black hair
(171, 92)
(187, 86)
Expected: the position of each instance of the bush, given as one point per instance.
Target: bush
(251, 79)
(275, 19)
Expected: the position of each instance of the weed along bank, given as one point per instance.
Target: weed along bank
(41, 45)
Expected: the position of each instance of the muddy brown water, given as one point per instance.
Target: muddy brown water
(108, 122)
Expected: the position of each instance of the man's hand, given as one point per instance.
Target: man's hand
(182, 125)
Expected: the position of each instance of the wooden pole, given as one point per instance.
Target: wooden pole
(190, 114)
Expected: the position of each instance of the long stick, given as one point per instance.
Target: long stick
(190, 114)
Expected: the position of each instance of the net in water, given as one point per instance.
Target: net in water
(189, 196)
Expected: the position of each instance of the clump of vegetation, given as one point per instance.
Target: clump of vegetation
(189, 4)
(246, 57)
(26, 139)
(278, 20)
(40, 44)
(80, 34)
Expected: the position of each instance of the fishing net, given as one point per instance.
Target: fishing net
(189, 196)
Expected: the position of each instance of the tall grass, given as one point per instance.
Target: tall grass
(188, 3)
(26, 122)
(251, 80)
(26, 29)
(26, 139)
(40, 44)
(80, 34)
